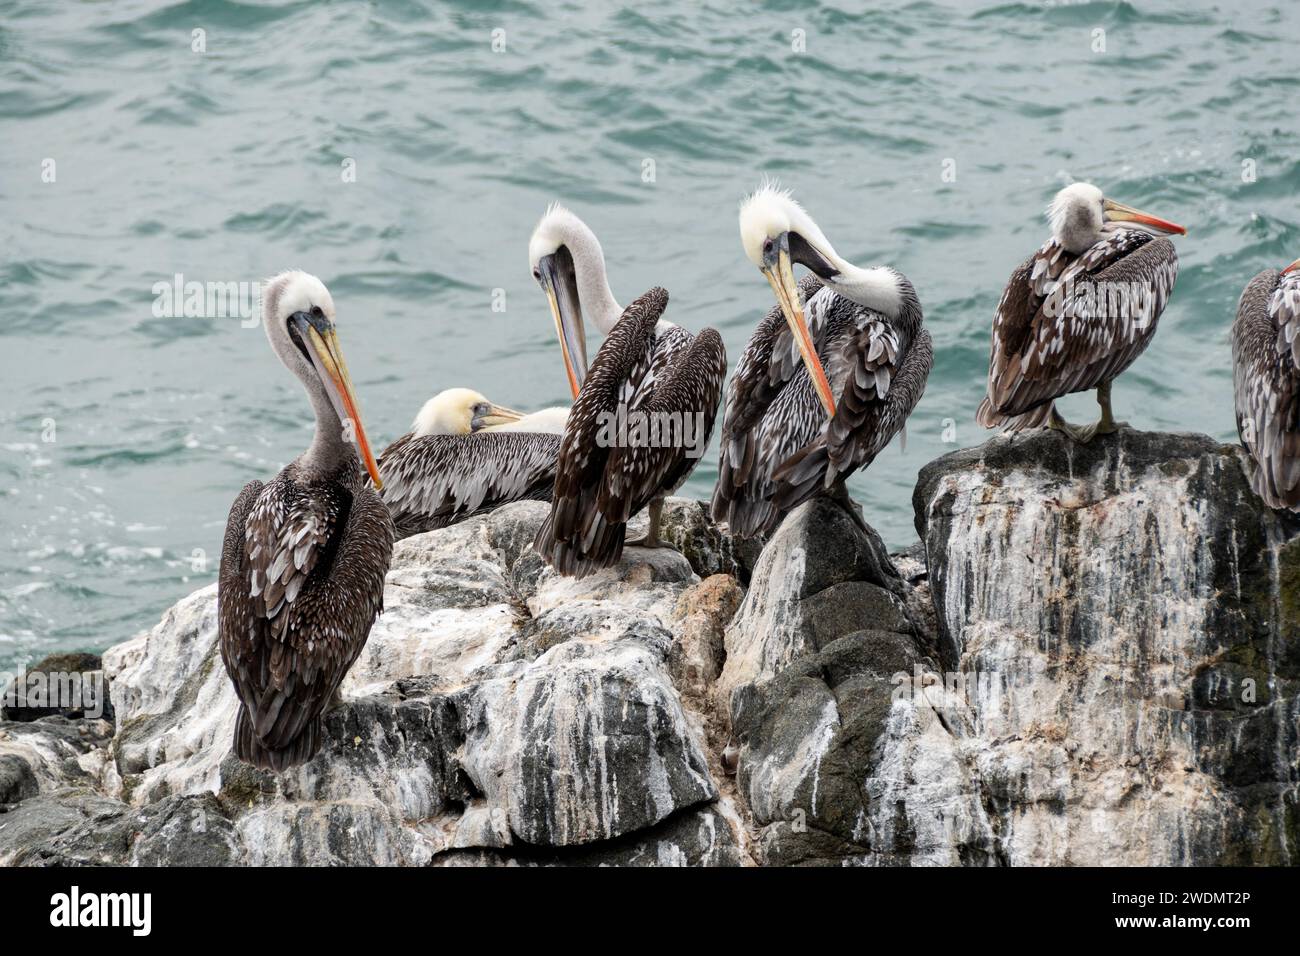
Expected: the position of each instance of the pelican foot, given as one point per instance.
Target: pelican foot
(651, 538)
(1086, 433)
(1079, 433)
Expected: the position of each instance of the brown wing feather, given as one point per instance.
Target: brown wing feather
(1091, 320)
(884, 382)
(300, 589)
(431, 481)
(1266, 384)
(765, 374)
(688, 389)
(585, 524)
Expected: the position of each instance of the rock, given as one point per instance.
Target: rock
(332, 834)
(820, 577)
(686, 525)
(70, 827)
(190, 830)
(808, 684)
(77, 827)
(17, 779)
(49, 753)
(1092, 657)
(1120, 616)
(703, 612)
(498, 713)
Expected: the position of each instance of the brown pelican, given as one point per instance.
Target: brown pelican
(1266, 382)
(461, 411)
(1077, 312)
(642, 414)
(304, 557)
(465, 455)
(785, 435)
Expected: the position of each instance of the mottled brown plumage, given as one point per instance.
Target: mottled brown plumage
(431, 481)
(1055, 333)
(826, 381)
(1266, 384)
(304, 556)
(778, 447)
(302, 579)
(600, 486)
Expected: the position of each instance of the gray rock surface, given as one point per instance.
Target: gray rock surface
(498, 714)
(1092, 656)
(1107, 673)
(73, 686)
(809, 686)
(1122, 616)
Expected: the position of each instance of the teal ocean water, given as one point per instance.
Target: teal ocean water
(128, 156)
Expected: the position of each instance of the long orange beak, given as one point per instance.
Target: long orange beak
(557, 281)
(327, 356)
(1292, 267)
(783, 285)
(1118, 212)
(569, 342)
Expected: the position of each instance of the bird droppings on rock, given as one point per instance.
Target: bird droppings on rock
(1092, 656)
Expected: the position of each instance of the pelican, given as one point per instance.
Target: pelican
(465, 455)
(642, 414)
(1076, 313)
(813, 401)
(1266, 382)
(304, 556)
(461, 411)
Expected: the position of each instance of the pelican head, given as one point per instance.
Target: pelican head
(1082, 216)
(298, 316)
(551, 258)
(776, 232)
(460, 411)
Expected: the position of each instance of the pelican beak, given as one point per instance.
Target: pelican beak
(561, 287)
(780, 275)
(1118, 212)
(321, 343)
(494, 416)
(1292, 267)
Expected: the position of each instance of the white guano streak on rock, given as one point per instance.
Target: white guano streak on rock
(775, 784)
(1065, 721)
(761, 639)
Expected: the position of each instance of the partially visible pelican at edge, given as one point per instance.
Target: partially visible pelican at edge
(648, 370)
(814, 399)
(1078, 312)
(465, 455)
(304, 556)
(1266, 382)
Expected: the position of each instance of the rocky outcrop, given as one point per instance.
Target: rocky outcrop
(815, 657)
(499, 713)
(1092, 656)
(1119, 620)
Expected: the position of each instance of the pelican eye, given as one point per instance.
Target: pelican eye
(537, 274)
(767, 244)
